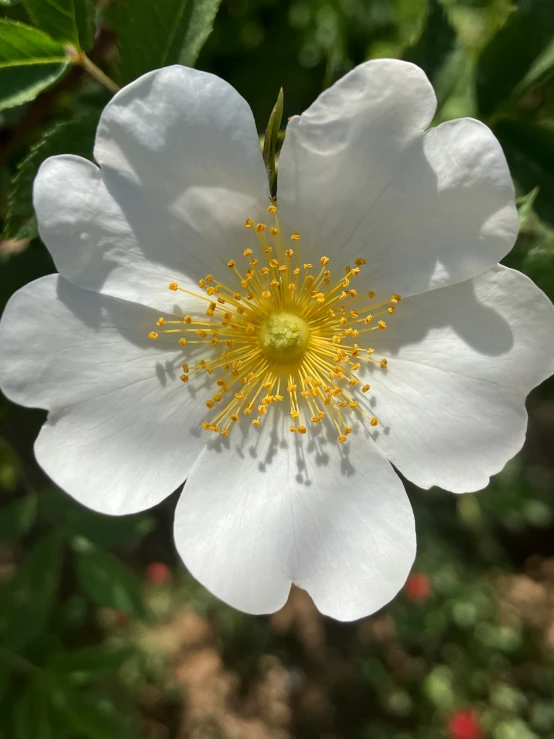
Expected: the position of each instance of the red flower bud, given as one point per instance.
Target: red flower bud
(464, 725)
(158, 573)
(418, 587)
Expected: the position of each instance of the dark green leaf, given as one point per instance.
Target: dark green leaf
(512, 52)
(529, 149)
(97, 662)
(107, 531)
(109, 582)
(84, 714)
(69, 21)
(17, 518)
(31, 594)
(73, 137)
(164, 33)
(31, 716)
(436, 43)
(30, 61)
(9, 3)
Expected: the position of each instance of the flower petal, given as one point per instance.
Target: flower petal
(121, 433)
(259, 513)
(358, 177)
(461, 361)
(181, 170)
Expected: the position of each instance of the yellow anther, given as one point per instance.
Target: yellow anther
(265, 271)
(359, 261)
(370, 351)
(296, 271)
(347, 430)
(231, 263)
(247, 252)
(396, 298)
(185, 367)
(384, 364)
(295, 236)
(302, 429)
(184, 378)
(320, 297)
(324, 261)
(255, 422)
(293, 429)
(249, 223)
(341, 439)
(382, 325)
(366, 388)
(153, 335)
(272, 209)
(209, 279)
(274, 283)
(282, 268)
(260, 227)
(274, 263)
(308, 266)
(371, 295)
(182, 342)
(273, 231)
(173, 286)
(368, 319)
(266, 294)
(160, 322)
(289, 252)
(235, 417)
(295, 414)
(210, 404)
(292, 286)
(210, 291)
(374, 421)
(391, 309)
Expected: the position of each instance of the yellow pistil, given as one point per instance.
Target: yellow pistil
(281, 331)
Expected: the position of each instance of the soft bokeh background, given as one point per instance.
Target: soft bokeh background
(103, 634)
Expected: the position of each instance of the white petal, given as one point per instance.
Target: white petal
(461, 362)
(121, 433)
(358, 177)
(181, 170)
(269, 509)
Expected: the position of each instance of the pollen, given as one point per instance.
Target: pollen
(277, 334)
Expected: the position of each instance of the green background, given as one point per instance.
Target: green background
(95, 642)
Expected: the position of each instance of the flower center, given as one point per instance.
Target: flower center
(281, 331)
(283, 336)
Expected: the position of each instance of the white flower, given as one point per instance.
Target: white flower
(384, 248)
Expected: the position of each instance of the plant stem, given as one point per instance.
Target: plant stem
(97, 73)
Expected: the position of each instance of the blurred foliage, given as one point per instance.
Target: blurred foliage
(89, 635)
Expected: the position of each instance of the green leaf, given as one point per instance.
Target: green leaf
(109, 582)
(9, 3)
(85, 715)
(31, 594)
(525, 206)
(199, 27)
(164, 33)
(273, 141)
(529, 148)
(436, 43)
(68, 21)
(24, 45)
(72, 137)
(512, 53)
(96, 662)
(31, 715)
(107, 531)
(30, 61)
(17, 518)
